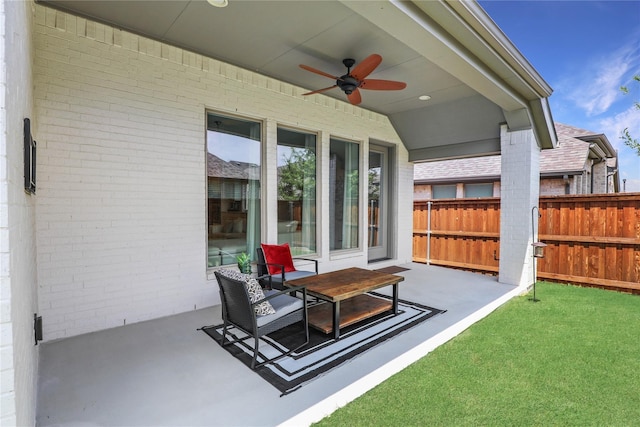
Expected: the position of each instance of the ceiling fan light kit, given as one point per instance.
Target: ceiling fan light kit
(218, 3)
(351, 82)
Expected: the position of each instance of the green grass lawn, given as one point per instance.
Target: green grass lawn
(572, 358)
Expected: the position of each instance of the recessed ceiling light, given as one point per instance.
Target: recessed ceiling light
(218, 3)
(424, 97)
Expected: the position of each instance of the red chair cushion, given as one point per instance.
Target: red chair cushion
(278, 254)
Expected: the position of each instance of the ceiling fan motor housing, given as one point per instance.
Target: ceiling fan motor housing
(347, 83)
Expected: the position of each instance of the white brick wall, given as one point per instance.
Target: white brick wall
(121, 202)
(496, 189)
(421, 192)
(520, 172)
(18, 291)
(402, 209)
(600, 178)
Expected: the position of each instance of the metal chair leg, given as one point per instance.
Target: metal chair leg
(255, 352)
(224, 333)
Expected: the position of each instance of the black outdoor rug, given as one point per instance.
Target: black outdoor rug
(322, 353)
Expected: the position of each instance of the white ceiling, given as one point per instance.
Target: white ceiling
(274, 37)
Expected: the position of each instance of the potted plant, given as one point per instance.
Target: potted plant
(244, 263)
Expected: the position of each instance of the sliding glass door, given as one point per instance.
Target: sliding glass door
(377, 206)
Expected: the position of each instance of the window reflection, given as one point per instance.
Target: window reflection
(297, 191)
(233, 188)
(344, 194)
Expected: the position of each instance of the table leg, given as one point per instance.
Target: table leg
(336, 320)
(395, 298)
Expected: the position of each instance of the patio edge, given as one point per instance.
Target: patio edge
(341, 398)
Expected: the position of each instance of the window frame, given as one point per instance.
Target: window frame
(442, 186)
(317, 177)
(362, 185)
(488, 185)
(262, 174)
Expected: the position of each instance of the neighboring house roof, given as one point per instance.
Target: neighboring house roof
(570, 155)
(218, 168)
(453, 170)
(575, 147)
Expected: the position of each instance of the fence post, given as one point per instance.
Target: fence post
(429, 232)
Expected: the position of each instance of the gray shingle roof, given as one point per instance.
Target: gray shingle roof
(475, 167)
(571, 153)
(216, 167)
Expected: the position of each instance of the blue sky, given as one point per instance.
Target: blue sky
(585, 50)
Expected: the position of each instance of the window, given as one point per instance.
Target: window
(233, 188)
(444, 191)
(344, 199)
(297, 191)
(478, 190)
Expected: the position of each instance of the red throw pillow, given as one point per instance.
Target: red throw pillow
(278, 254)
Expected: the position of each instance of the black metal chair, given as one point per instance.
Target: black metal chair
(276, 280)
(238, 310)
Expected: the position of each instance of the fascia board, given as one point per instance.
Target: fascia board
(466, 179)
(532, 84)
(487, 147)
(604, 147)
(560, 174)
(502, 53)
(596, 152)
(542, 121)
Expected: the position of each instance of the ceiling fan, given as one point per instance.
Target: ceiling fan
(352, 81)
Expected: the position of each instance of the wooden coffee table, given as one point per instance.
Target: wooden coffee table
(346, 291)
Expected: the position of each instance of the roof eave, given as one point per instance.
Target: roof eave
(603, 147)
(482, 23)
(499, 59)
(543, 124)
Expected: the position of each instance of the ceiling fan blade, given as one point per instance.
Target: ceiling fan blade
(354, 97)
(313, 70)
(366, 66)
(320, 90)
(373, 84)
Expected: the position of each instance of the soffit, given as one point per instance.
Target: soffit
(273, 37)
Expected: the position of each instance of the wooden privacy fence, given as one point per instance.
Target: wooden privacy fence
(591, 239)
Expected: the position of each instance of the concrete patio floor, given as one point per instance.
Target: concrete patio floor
(165, 372)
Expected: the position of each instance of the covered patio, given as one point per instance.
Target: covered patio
(165, 372)
(128, 217)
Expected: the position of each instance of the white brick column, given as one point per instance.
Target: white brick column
(599, 177)
(270, 182)
(520, 187)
